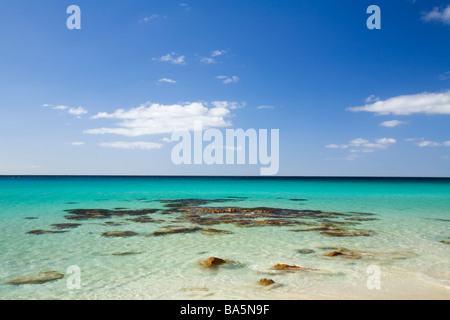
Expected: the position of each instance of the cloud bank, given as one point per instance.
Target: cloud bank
(363, 145)
(425, 103)
(132, 145)
(153, 118)
(438, 15)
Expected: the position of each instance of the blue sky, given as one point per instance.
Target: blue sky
(348, 101)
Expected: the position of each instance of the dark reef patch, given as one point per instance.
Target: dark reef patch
(173, 231)
(66, 225)
(39, 232)
(85, 214)
(119, 234)
(39, 278)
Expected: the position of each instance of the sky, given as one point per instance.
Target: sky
(105, 99)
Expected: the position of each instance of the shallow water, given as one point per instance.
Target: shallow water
(412, 217)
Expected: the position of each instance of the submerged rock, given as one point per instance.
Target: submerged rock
(266, 282)
(177, 230)
(344, 253)
(445, 242)
(127, 253)
(357, 254)
(66, 225)
(298, 199)
(348, 233)
(215, 231)
(39, 278)
(119, 234)
(286, 267)
(177, 203)
(213, 262)
(361, 213)
(360, 219)
(31, 218)
(305, 251)
(321, 228)
(38, 232)
(114, 223)
(85, 214)
(274, 222)
(144, 219)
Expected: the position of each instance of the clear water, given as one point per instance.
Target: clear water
(413, 215)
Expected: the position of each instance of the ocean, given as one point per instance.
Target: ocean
(343, 238)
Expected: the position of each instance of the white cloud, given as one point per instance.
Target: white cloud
(265, 107)
(226, 79)
(153, 118)
(216, 53)
(444, 76)
(132, 145)
(207, 60)
(211, 59)
(165, 139)
(335, 146)
(392, 123)
(441, 15)
(46, 105)
(428, 144)
(372, 98)
(167, 80)
(172, 58)
(232, 105)
(150, 18)
(185, 6)
(74, 111)
(363, 145)
(77, 111)
(60, 108)
(77, 143)
(351, 157)
(428, 103)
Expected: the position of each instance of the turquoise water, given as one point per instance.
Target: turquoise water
(412, 218)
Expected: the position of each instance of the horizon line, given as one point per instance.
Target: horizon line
(219, 176)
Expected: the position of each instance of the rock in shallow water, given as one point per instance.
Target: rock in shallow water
(41, 277)
(38, 232)
(177, 230)
(85, 214)
(286, 267)
(215, 231)
(266, 282)
(127, 253)
(144, 219)
(344, 253)
(214, 262)
(357, 254)
(305, 251)
(361, 219)
(66, 225)
(119, 234)
(348, 233)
